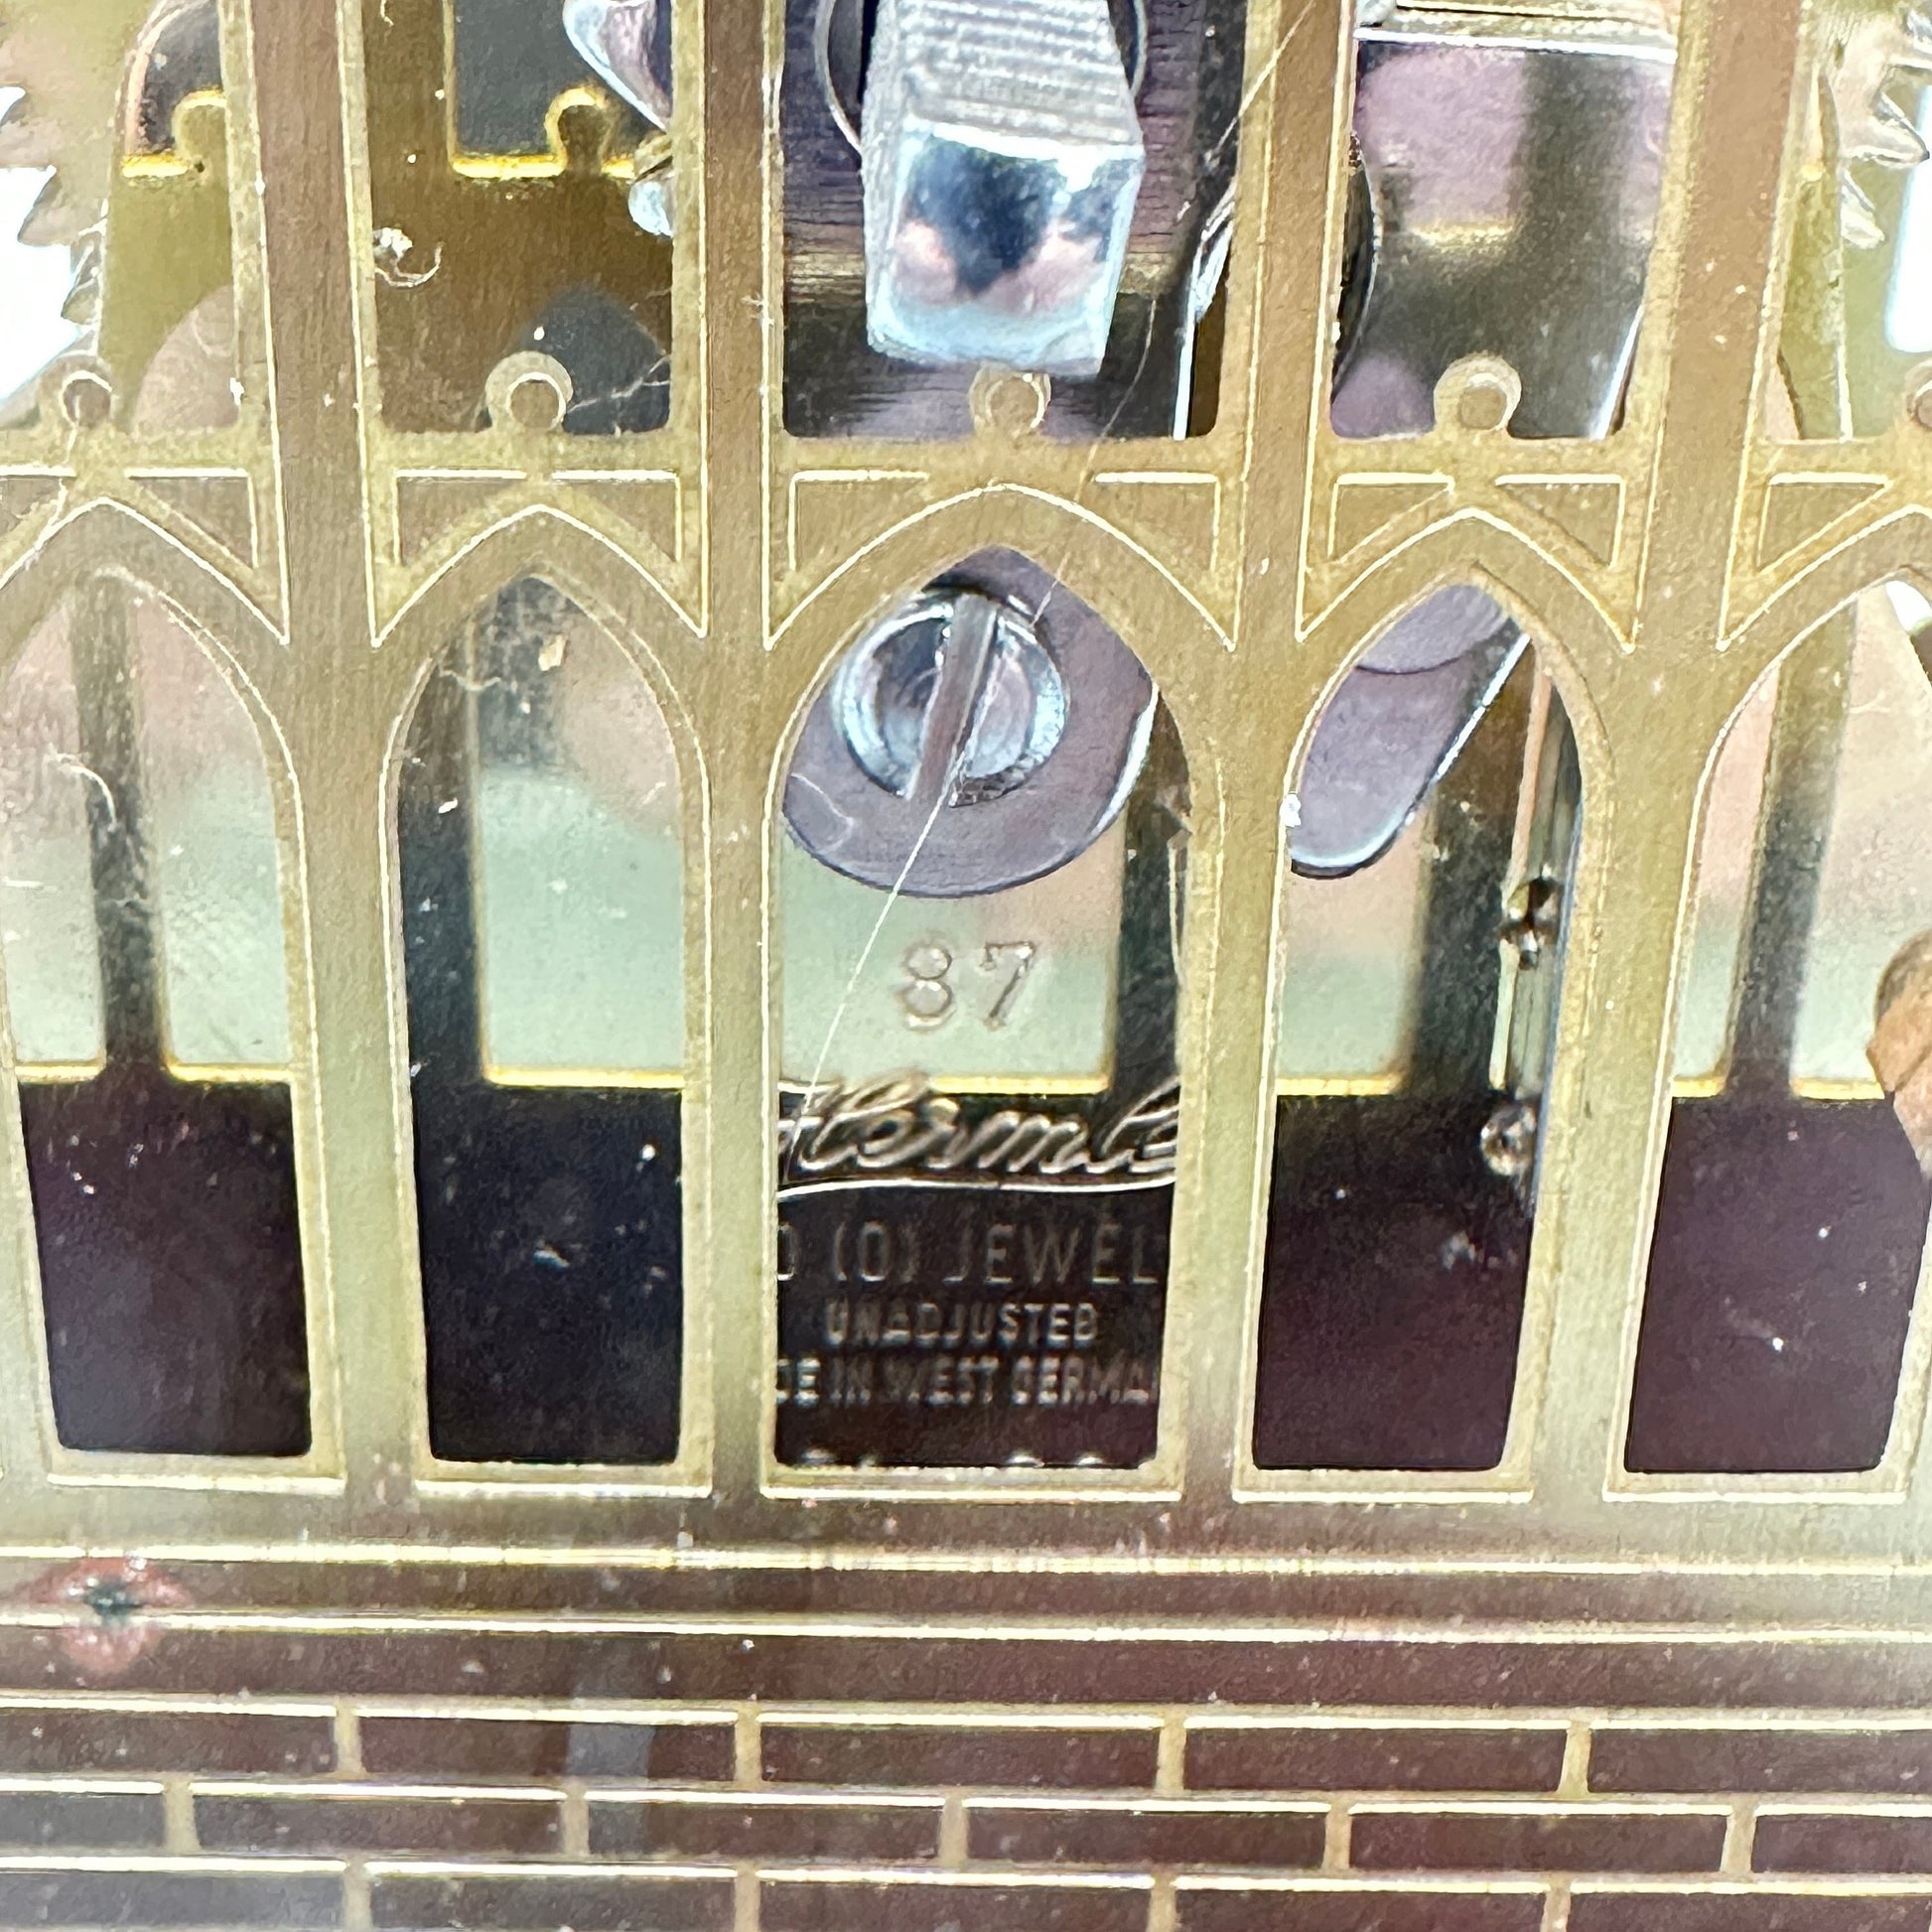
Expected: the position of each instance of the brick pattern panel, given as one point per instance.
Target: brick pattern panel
(1004, 1757)
(1146, 1833)
(1855, 1842)
(135, 1895)
(1358, 1909)
(758, 1828)
(1586, 1839)
(111, 1738)
(949, 1908)
(541, 1902)
(1759, 1758)
(71, 1818)
(890, 1817)
(1315, 1756)
(351, 1818)
(523, 1748)
(1753, 1911)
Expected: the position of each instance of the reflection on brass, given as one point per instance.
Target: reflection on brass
(978, 1533)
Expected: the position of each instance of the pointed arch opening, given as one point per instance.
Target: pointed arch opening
(539, 824)
(982, 878)
(143, 873)
(1433, 833)
(1790, 1232)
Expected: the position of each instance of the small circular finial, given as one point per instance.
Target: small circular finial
(86, 396)
(1008, 402)
(1477, 395)
(528, 391)
(1919, 408)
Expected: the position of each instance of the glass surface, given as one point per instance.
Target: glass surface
(579, 865)
(1874, 881)
(47, 925)
(1727, 871)
(146, 965)
(39, 276)
(1002, 988)
(1887, 260)
(211, 867)
(905, 1517)
(543, 920)
(1908, 293)
(1348, 983)
(1793, 1203)
(215, 860)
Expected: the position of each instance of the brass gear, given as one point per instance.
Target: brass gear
(75, 65)
(72, 62)
(1860, 123)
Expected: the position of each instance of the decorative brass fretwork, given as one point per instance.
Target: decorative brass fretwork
(1551, 1684)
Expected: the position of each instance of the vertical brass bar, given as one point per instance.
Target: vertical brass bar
(1284, 281)
(1738, 74)
(731, 1287)
(1739, 77)
(335, 726)
(1233, 1119)
(1598, 1185)
(1293, 148)
(1814, 684)
(26, 1424)
(246, 224)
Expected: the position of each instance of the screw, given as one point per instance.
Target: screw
(1535, 920)
(961, 747)
(1509, 1139)
(952, 702)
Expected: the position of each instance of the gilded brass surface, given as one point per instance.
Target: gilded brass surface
(1664, 571)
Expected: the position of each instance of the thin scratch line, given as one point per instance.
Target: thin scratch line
(955, 764)
(944, 799)
(78, 768)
